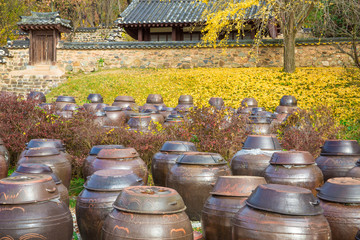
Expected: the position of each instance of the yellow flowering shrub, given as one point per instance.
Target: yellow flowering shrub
(338, 88)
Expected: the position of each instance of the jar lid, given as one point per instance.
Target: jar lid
(112, 180)
(41, 152)
(292, 158)
(185, 99)
(178, 146)
(27, 189)
(341, 190)
(112, 108)
(95, 98)
(116, 153)
(201, 158)
(340, 147)
(124, 99)
(288, 100)
(65, 99)
(48, 143)
(217, 102)
(236, 186)
(263, 142)
(96, 149)
(149, 200)
(154, 98)
(285, 199)
(36, 168)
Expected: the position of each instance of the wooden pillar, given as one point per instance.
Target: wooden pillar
(31, 48)
(140, 34)
(173, 34)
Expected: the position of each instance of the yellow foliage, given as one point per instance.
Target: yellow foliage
(334, 87)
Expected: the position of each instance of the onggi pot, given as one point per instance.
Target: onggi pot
(227, 197)
(337, 157)
(296, 168)
(36, 168)
(4, 152)
(275, 211)
(340, 199)
(125, 159)
(95, 202)
(254, 157)
(92, 155)
(164, 160)
(193, 177)
(52, 158)
(148, 213)
(30, 209)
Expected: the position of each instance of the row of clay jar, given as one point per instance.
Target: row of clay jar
(124, 110)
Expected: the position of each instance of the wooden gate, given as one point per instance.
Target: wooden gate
(43, 47)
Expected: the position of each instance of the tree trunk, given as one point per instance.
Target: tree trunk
(289, 43)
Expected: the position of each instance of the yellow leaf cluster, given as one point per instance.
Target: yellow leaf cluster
(334, 87)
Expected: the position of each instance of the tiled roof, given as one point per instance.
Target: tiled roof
(168, 11)
(46, 18)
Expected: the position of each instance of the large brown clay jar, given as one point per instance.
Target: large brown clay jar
(193, 177)
(337, 157)
(254, 157)
(4, 152)
(95, 202)
(340, 199)
(92, 155)
(48, 143)
(294, 168)
(259, 125)
(139, 121)
(355, 171)
(52, 158)
(124, 159)
(148, 213)
(62, 101)
(275, 212)
(30, 209)
(114, 115)
(185, 103)
(124, 102)
(227, 197)
(36, 168)
(164, 160)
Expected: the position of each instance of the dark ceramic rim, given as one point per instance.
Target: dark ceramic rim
(334, 191)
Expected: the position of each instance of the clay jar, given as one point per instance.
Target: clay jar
(254, 157)
(152, 101)
(35, 168)
(52, 158)
(114, 115)
(148, 213)
(95, 202)
(37, 96)
(62, 101)
(164, 160)
(185, 103)
(92, 155)
(227, 197)
(124, 159)
(193, 175)
(284, 212)
(337, 157)
(4, 153)
(139, 121)
(124, 102)
(174, 119)
(217, 102)
(34, 210)
(48, 143)
(155, 115)
(294, 168)
(340, 200)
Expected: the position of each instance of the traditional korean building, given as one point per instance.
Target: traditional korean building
(44, 34)
(173, 20)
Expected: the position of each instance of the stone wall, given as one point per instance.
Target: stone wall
(270, 56)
